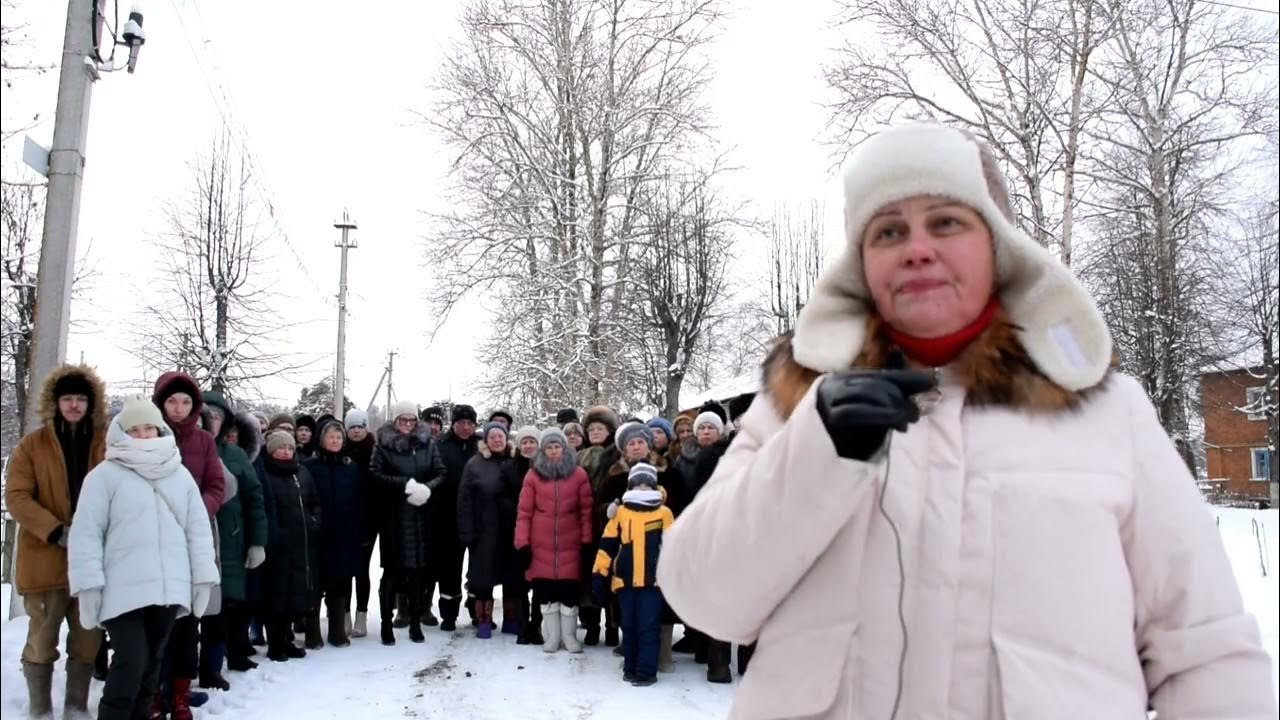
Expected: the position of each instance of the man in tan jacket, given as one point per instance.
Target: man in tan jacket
(46, 472)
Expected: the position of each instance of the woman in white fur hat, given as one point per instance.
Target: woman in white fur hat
(999, 529)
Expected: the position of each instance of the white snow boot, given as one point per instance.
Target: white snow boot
(551, 627)
(360, 627)
(569, 629)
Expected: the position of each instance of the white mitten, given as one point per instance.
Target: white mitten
(255, 557)
(200, 596)
(90, 608)
(612, 509)
(416, 493)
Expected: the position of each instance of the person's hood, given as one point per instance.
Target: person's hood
(179, 382)
(97, 401)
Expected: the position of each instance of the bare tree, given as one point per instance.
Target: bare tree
(21, 219)
(214, 320)
(1009, 71)
(795, 261)
(678, 281)
(1184, 104)
(1250, 295)
(561, 111)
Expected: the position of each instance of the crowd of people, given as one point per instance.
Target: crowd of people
(945, 502)
(194, 533)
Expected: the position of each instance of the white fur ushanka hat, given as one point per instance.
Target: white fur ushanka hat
(1059, 324)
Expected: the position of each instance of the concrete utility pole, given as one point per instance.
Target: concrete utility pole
(57, 268)
(346, 225)
(391, 362)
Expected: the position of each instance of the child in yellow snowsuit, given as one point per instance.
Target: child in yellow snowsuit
(629, 552)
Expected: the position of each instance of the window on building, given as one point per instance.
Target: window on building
(1262, 459)
(1254, 401)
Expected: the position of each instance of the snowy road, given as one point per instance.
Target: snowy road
(458, 676)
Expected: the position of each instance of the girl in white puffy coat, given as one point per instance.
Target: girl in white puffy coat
(140, 552)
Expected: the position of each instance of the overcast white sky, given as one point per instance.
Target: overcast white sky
(327, 97)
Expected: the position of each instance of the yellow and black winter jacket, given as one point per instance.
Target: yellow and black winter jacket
(630, 545)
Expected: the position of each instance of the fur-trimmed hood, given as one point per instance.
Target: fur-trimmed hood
(391, 439)
(995, 370)
(97, 403)
(248, 432)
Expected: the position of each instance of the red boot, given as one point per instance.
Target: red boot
(180, 704)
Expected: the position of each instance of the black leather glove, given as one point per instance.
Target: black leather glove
(588, 556)
(525, 556)
(860, 407)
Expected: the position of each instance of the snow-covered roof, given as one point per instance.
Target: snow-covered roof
(747, 382)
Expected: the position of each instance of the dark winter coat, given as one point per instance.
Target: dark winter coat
(337, 482)
(454, 453)
(242, 519)
(599, 461)
(290, 580)
(704, 465)
(404, 529)
(487, 501)
(199, 451)
(554, 519)
(686, 459)
(361, 453)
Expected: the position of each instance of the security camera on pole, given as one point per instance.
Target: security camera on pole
(346, 225)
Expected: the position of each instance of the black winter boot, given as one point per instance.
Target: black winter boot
(449, 613)
(388, 633)
(718, 662)
(338, 629)
(314, 638)
(744, 657)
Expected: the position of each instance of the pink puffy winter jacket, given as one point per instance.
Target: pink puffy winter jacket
(555, 517)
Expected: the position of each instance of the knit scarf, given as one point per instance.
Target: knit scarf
(642, 498)
(939, 351)
(153, 458)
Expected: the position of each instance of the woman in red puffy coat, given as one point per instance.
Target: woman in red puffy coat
(553, 532)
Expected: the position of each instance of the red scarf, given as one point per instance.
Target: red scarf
(939, 351)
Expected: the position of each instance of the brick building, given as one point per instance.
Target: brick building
(1237, 457)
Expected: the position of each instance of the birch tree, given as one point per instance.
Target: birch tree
(560, 111)
(1184, 105)
(1012, 72)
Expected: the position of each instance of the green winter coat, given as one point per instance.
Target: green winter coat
(242, 520)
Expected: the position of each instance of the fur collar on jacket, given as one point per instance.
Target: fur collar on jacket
(559, 469)
(995, 370)
(395, 441)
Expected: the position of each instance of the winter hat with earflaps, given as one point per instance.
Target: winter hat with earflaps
(1058, 322)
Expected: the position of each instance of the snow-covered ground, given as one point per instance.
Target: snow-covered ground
(461, 677)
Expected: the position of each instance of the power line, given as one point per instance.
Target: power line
(224, 104)
(1241, 7)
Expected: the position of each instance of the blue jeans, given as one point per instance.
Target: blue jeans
(641, 630)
